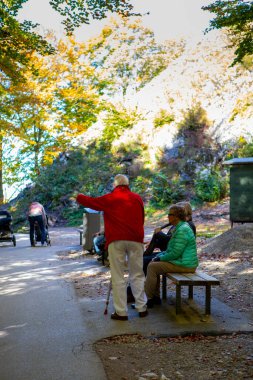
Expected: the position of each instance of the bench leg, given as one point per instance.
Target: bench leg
(190, 292)
(178, 299)
(164, 287)
(208, 299)
(81, 238)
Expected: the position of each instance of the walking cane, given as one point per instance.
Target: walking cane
(108, 297)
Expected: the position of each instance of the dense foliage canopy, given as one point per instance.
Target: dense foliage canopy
(237, 17)
(18, 40)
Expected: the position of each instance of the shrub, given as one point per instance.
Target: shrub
(141, 185)
(240, 148)
(194, 119)
(165, 191)
(245, 149)
(210, 186)
(73, 216)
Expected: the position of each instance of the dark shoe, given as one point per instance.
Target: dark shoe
(133, 306)
(143, 314)
(154, 301)
(119, 317)
(33, 245)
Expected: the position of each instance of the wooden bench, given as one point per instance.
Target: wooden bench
(190, 279)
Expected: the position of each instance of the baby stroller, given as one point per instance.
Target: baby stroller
(6, 232)
(37, 233)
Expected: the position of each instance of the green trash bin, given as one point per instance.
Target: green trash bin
(241, 190)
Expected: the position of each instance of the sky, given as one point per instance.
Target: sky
(167, 18)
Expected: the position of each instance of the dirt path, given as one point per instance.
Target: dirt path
(64, 236)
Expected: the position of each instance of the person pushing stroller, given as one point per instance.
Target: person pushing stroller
(36, 213)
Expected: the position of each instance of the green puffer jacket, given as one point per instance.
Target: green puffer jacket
(181, 249)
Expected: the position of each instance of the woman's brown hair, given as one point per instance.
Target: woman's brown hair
(178, 211)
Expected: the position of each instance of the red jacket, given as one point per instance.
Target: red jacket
(123, 214)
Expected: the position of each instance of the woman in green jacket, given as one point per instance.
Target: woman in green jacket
(179, 257)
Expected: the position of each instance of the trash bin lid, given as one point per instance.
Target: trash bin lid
(91, 211)
(239, 161)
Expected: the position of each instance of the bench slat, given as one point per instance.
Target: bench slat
(177, 276)
(193, 277)
(197, 278)
(182, 279)
(202, 277)
(206, 276)
(195, 283)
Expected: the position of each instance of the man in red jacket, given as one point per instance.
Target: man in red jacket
(124, 233)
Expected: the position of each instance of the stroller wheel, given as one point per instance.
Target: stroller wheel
(14, 240)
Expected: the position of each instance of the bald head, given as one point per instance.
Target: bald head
(120, 180)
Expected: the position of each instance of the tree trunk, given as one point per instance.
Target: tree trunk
(36, 161)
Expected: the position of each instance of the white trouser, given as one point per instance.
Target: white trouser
(118, 252)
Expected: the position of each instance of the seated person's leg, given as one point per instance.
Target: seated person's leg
(149, 250)
(146, 261)
(159, 240)
(152, 283)
(162, 240)
(154, 270)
